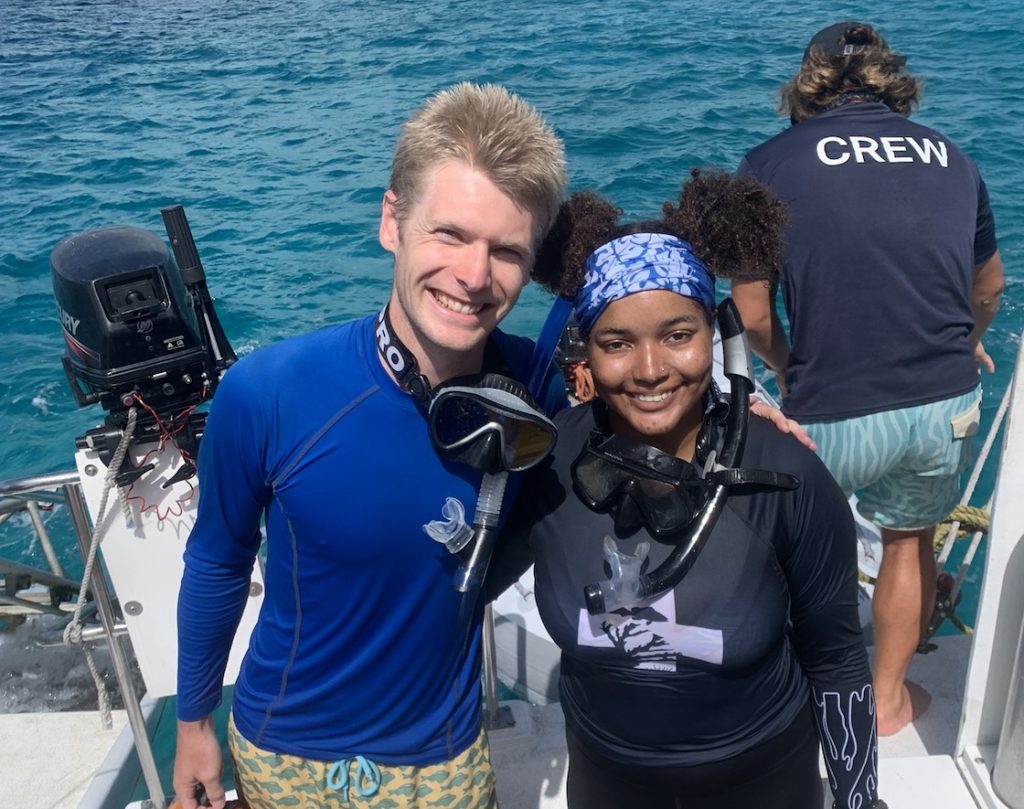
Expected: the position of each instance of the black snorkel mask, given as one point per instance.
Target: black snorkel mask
(487, 421)
(490, 423)
(638, 484)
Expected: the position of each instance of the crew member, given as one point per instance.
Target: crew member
(890, 278)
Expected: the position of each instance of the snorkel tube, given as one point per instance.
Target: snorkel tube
(619, 591)
(470, 574)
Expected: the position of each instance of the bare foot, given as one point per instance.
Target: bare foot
(913, 703)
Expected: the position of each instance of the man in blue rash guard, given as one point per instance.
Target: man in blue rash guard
(358, 683)
(890, 278)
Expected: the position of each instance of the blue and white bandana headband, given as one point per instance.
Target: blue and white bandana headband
(636, 263)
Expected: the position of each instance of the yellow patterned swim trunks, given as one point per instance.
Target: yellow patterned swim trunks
(268, 780)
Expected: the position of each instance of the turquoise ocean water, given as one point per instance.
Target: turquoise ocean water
(273, 124)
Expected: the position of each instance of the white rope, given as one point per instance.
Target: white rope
(946, 547)
(73, 631)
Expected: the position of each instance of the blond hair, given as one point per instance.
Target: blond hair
(492, 130)
(871, 71)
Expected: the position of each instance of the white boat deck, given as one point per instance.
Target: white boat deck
(57, 754)
(916, 766)
(49, 759)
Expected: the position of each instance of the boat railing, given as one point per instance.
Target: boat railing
(64, 488)
(991, 732)
(29, 589)
(15, 574)
(496, 715)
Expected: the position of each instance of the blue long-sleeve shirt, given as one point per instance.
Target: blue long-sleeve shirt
(357, 650)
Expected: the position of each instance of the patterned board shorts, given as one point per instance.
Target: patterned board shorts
(268, 780)
(903, 465)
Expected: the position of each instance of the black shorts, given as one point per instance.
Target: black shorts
(781, 773)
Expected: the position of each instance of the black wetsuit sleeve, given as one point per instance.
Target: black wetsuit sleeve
(820, 563)
(513, 554)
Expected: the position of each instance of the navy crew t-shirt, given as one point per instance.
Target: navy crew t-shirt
(887, 222)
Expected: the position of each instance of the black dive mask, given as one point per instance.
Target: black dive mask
(490, 423)
(637, 485)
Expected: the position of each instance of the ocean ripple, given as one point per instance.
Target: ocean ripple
(273, 124)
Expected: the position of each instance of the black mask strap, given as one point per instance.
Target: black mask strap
(753, 477)
(401, 361)
(403, 364)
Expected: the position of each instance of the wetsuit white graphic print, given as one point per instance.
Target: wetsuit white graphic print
(852, 767)
(649, 635)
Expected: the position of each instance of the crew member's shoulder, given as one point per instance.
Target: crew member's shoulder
(789, 141)
(768, 147)
(925, 134)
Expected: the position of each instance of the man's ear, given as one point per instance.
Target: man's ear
(388, 233)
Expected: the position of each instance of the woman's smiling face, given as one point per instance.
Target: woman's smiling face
(650, 354)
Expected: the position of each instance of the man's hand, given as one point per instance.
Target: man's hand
(197, 762)
(784, 425)
(981, 356)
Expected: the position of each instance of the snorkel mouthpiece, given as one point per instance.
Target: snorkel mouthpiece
(620, 591)
(625, 587)
(451, 531)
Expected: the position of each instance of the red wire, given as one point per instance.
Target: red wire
(168, 430)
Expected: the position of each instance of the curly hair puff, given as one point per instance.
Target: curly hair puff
(584, 222)
(734, 225)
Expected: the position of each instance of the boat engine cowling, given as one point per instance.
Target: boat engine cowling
(140, 328)
(126, 318)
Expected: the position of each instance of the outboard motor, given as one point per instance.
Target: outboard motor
(140, 328)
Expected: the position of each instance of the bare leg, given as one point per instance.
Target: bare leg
(901, 607)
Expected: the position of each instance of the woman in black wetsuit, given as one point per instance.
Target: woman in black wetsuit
(707, 616)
